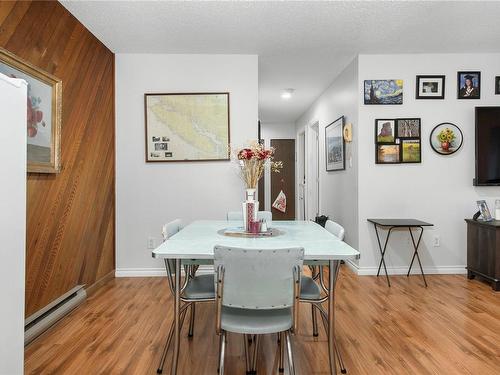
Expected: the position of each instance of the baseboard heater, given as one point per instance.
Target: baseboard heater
(44, 318)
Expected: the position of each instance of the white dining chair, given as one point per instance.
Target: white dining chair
(258, 293)
(195, 288)
(314, 291)
(261, 215)
(336, 229)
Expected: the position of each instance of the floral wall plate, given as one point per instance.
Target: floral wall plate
(446, 138)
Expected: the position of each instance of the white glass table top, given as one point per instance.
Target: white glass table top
(197, 241)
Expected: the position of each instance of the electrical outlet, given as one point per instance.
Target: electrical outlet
(151, 243)
(437, 241)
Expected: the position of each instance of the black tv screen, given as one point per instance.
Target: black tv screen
(487, 146)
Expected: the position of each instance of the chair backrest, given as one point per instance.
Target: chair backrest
(336, 229)
(258, 279)
(168, 230)
(265, 215)
(171, 228)
(261, 215)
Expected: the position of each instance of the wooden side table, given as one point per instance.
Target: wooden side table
(483, 251)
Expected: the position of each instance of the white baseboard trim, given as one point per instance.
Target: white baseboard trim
(361, 271)
(153, 272)
(432, 270)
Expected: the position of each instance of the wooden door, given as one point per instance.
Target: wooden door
(285, 180)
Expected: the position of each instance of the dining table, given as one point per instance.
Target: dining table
(195, 244)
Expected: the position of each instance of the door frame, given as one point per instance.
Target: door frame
(312, 142)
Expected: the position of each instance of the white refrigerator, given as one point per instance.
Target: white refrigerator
(13, 109)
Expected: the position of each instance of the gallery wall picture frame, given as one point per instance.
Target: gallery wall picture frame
(187, 127)
(398, 141)
(335, 145)
(430, 87)
(383, 92)
(385, 131)
(497, 85)
(446, 138)
(44, 113)
(469, 85)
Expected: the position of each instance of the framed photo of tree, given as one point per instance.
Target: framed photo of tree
(335, 145)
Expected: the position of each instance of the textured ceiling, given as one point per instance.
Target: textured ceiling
(302, 45)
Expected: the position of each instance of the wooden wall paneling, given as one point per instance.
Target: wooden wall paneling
(70, 216)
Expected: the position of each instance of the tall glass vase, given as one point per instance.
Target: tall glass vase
(250, 208)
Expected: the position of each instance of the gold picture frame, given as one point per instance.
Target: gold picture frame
(44, 101)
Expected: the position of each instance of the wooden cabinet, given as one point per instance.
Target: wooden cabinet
(483, 251)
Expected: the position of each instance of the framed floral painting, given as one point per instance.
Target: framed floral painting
(44, 101)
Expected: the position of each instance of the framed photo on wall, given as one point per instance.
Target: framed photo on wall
(187, 127)
(469, 85)
(335, 145)
(43, 133)
(430, 87)
(497, 85)
(398, 141)
(383, 91)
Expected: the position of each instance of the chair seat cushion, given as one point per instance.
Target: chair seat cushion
(309, 289)
(258, 322)
(200, 287)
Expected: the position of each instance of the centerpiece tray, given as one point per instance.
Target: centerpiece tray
(240, 232)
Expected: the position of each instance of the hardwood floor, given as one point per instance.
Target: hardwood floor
(452, 327)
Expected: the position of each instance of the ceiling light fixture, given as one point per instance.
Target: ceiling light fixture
(287, 93)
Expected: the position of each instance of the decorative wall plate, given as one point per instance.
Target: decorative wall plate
(446, 138)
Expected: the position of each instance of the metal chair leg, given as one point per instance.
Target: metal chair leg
(281, 367)
(314, 320)
(191, 320)
(255, 352)
(159, 370)
(222, 350)
(246, 342)
(291, 366)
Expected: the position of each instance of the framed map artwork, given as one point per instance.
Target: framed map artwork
(187, 127)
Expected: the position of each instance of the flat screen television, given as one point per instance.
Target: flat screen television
(487, 146)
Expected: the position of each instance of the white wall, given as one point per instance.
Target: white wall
(339, 189)
(273, 131)
(12, 223)
(440, 189)
(150, 194)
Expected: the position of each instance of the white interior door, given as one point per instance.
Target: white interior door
(301, 176)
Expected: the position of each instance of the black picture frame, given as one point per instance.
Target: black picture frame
(459, 85)
(413, 135)
(420, 95)
(497, 85)
(341, 123)
(432, 135)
